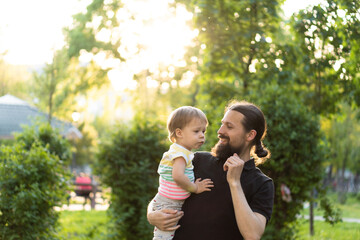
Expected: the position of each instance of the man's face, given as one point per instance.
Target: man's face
(231, 134)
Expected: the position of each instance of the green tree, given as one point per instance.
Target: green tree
(296, 156)
(48, 81)
(236, 36)
(343, 132)
(60, 82)
(327, 59)
(127, 163)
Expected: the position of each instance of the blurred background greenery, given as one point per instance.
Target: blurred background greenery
(125, 65)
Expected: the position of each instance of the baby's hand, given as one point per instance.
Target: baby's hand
(204, 185)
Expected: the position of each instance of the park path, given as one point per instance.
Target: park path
(80, 207)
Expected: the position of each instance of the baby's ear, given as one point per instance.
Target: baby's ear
(178, 132)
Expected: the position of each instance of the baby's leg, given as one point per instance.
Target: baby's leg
(161, 202)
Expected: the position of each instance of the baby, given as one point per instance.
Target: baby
(186, 126)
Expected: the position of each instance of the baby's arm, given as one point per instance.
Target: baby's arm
(178, 174)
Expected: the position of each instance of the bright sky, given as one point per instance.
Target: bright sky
(31, 30)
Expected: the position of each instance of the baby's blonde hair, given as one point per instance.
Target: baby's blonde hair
(181, 117)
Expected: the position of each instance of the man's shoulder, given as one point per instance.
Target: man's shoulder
(203, 158)
(263, 175)
(203, 155)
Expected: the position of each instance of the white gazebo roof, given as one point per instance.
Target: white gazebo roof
(15, 112)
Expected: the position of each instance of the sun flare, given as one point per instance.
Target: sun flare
(152, 33)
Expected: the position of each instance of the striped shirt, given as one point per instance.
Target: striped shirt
(167, 186)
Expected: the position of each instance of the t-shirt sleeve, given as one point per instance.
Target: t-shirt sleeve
(174, 155)
(262, 202)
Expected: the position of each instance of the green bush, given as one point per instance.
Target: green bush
(46, 136)
(293, 139)
(31, 182)
(128, 164)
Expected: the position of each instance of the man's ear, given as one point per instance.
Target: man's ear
(178, 133)
(251, 135)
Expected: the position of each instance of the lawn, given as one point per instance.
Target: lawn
(83, 225)
(324, 231)
(87, 225)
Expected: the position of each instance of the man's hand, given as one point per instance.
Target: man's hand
(165, 219)
(204, 185)
(234, 166)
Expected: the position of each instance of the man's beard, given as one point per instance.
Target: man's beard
(224, 151)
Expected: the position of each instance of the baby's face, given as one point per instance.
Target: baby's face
(192, 136)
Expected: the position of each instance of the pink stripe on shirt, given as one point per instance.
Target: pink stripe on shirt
(172, 190)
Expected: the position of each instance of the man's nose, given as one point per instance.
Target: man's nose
(221, 130)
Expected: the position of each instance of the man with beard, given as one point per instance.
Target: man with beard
(241, 201)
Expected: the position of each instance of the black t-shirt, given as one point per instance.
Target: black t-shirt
(210, 215)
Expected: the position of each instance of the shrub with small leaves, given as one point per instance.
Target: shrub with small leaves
(32, 183)
(33, 180)
(128, 163)
(46, 136)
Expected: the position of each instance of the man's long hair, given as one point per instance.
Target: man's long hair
(253, 120)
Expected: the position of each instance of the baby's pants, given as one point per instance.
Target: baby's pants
(161, 202)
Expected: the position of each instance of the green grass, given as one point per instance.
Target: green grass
(325, 231)
(83, 225)
(351, 209)
(88, 225)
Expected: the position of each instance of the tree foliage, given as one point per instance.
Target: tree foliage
(237, 35)
(342, 134)
(127, 163)
(296, 156)
(327, 62)
(62, 81)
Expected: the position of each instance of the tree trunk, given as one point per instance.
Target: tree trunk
(51, 94)
(311, 213)
(329, 176)
(342, 188)
(357, 182)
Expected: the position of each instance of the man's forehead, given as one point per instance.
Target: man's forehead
(233, 117)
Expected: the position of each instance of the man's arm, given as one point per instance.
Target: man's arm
(165, 219)
(250, 224)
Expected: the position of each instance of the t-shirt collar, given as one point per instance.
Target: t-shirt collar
(249, 164)
(183, 148)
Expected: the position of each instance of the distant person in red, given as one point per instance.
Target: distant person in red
(83, 190)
